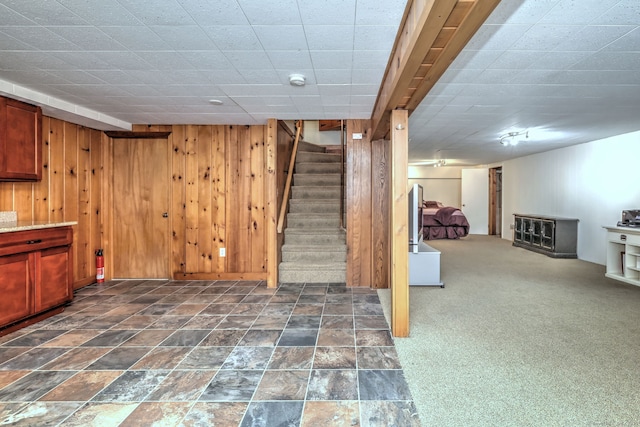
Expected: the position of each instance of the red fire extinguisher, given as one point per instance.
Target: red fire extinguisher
(99, 266)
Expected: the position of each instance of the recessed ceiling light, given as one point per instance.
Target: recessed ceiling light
(296, 79)
(215, 102)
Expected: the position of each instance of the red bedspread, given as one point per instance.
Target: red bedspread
(444, 223)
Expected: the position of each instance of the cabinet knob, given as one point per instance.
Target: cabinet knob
(623, 237)
(165, 215)
(33, 242)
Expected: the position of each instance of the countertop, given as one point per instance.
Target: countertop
(11, 226)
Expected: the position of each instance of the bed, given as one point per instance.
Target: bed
(443, 222)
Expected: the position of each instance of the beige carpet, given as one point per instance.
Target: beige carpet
(520, 339)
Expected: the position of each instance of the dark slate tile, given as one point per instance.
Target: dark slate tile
(248, 358)
(35, 338)
(223, 338)
(206, 358)
(298, 338)
(34, 385)
(260, 338)
(303, 322)
(119, 358)
(383, 385)
(185, 338)
(333, 384)
(110, 338)
(388, 413)
(232, 386)
(39, 414)
(273, 414)
(33, 359)
(132, 386)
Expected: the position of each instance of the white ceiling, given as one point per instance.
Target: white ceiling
(566, 70)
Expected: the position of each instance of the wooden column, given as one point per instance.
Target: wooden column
(399, 224)
(271, 189)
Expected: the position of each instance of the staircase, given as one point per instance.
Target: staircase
(315, 249)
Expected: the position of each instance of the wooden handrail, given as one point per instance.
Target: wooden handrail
(342, 224)
(287, 186)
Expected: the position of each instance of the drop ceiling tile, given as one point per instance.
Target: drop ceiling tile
(375, 12)
(374, 37)
(329, 37)
(595, 37)
(336, 12)
(140, 90)
(370, 59)
(124, 60)
(248, 59)
(8, 43)
(45, 12)
(219, 12)
(545, 37)
(167, 12)
(559, 60)
(135, 38)
(168, 60)
(282, 37)
(333, 76)
(87, 38)
(183, 37)
(335, 100)
(358, 89)
(41, 38)
(332, 59)
(581, 13)
(610, 61)
(497, 37)
(233, 90)
(478, 59)
(624, 12)
(253, 76)
(10, 17)
(75, 77)
(336, 90)
(103, 12)
(27, 60)
(307, 101)
(283, 12)
(233, 37)
(367, 76)
(308, 73)
(32, 77)
(515, 60)
(630, 42)
(204, 92)
(115, 77)
(290, 59)
(224, 77)
(207, 60)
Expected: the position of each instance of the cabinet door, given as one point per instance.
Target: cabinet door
(548, 235)
(16, 301)
(54, 284)
(527, 229)
(536, 232)
(518, 229)
(20, 141)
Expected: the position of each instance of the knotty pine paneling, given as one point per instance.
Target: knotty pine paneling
(219, 200)
(70, 190)
(380, 198)
(359, 215)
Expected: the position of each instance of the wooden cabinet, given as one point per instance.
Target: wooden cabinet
(623, 254)
(20, 141)
(37, 273)
(552, 236)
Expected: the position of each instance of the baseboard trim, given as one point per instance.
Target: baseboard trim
(219, 276)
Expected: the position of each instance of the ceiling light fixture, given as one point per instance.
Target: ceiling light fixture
(215, 102)
(296, 79)
(513, 138)
(439, 163)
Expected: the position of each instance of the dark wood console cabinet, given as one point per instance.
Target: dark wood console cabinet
(20, 141)
(37, 275)
(552, 236)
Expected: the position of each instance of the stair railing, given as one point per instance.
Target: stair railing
(287, 186)
(342, 180)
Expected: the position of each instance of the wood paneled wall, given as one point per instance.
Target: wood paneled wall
(367, 183)
(219, 200)
(70, 190)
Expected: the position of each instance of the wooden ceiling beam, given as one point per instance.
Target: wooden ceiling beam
(429, 35)
(475, 17)
(421, 24)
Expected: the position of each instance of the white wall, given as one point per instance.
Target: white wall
(312, 134)
(593, 182)
(439, 184)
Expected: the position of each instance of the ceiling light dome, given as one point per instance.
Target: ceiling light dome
(296, 79)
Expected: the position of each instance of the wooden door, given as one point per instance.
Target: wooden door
(475, 199)
(140, 209)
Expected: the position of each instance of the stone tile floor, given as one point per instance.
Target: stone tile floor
(202, 353)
